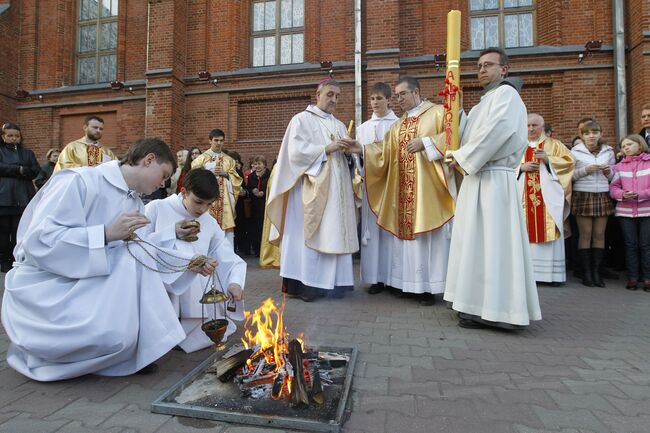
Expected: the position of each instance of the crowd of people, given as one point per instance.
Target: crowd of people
(481, 224)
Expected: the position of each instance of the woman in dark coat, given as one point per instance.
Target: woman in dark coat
(47, 169)
(18, 167)
(258, 180)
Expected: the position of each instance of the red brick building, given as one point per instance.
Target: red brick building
(60, 55)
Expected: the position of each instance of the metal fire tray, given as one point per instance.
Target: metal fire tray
(219, 401)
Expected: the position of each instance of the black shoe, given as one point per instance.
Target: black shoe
(149, 369)
(632, 284)
(308, 294)
(585, 261)
(337, 293)
(426, 299)
(597, 255)
(470, 324)
(376, 288)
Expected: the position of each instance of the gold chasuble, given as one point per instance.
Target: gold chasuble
(406, 191)
(223, 209)
(542, 225)
(80, 154)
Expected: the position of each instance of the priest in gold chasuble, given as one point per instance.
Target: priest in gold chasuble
(86, 151)
(224, 168)
(410, 192)
(311, 203)
(545, 176)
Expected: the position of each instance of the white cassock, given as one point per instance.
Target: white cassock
(376, 243)
(73, 305)
(490, 272)
(548, 257)
(212, 242)
(324, 259)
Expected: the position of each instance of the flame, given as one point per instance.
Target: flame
(265, 329)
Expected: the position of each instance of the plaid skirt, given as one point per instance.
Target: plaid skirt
(591, 204)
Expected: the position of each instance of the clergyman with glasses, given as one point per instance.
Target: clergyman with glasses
(490, 279)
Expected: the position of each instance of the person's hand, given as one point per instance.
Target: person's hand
(541, 155)
(236, 292)
(125, 225)
(606, 169)
(415, 145)
(218, 170)
(628, 195)
(352, 146)
(203, 267)
(530, 166)
(593, 168)
(188, 230)
(335, 146)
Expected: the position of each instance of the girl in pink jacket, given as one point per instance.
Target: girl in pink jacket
(630, 188)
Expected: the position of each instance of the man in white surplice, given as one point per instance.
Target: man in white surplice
(490, 278)
(376, 242)
(311, 202)
(200, 189)
(77, 301)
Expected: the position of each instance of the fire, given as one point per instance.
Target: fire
(265, 333)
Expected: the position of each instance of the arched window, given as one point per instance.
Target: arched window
(502, 23)
(96, 41)
(277, 32)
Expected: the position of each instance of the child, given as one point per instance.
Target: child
(630, 187)
(78, 301)
(375, 242)
(199, 191)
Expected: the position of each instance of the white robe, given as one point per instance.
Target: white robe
(548, 257)
(212, 242)
(490, 272)
(376, 243)
(73, 305)
(309, 261)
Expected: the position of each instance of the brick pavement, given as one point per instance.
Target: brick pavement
(584, 368)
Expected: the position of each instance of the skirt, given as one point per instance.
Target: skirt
(591, 204)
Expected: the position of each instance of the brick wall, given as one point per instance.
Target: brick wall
(187, 36)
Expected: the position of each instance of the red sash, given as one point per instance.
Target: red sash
(535, 209)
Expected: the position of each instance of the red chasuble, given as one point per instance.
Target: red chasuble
(534, 207)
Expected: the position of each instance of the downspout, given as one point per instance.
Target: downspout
(619, 71)
(357, 64)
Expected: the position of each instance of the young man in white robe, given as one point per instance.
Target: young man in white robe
(545, 178)
(311, 203)
(77, 300)
(490, 279)
(376, 243)
(200, 189)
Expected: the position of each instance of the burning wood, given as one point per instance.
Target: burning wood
(271, 366)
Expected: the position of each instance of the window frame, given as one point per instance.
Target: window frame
(97, 53)
(500, 12)
(277, 32)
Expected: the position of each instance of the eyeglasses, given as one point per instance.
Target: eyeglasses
(196, 153)
(486, 65)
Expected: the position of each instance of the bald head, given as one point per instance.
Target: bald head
(535, 126)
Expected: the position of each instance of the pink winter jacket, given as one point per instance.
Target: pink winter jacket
(632, 174)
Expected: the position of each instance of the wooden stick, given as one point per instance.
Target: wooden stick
(299, 395)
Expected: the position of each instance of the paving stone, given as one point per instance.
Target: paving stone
(604, 374)
(625, 424)
(366, 422)
(78, 427)
(398, 423)
(475, 393)
(418, 388)
(414, 361)
(532, 396)
(472, 426)
(375, 385)
(637, 392)
(134, 415)
(404, 404)
(89, 413)
(440, 352)
(251, 429)
(179, 424)
(382, 348)
(583, 401)
(579, 419)
(503, 366)
(404, 373)
(631, 407)
(437, 375)
(526, 429)
(460, 364)
(38, 404)
(598, 387)
(23, 423)
(459, 408)
(601, 364)
(135, 395)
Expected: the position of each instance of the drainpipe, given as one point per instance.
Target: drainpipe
(619, 71)
(357, 63)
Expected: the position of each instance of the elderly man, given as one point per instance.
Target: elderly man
(87, 151)
(311, 202)
(490, 279)
(545, 177)
(407, 186)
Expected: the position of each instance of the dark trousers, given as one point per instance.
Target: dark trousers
(8, 229)
(636, 237)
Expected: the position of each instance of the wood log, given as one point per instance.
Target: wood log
(299, 394)
(227, 367)
(317, 393)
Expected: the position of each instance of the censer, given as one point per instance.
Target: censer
(214, 328)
